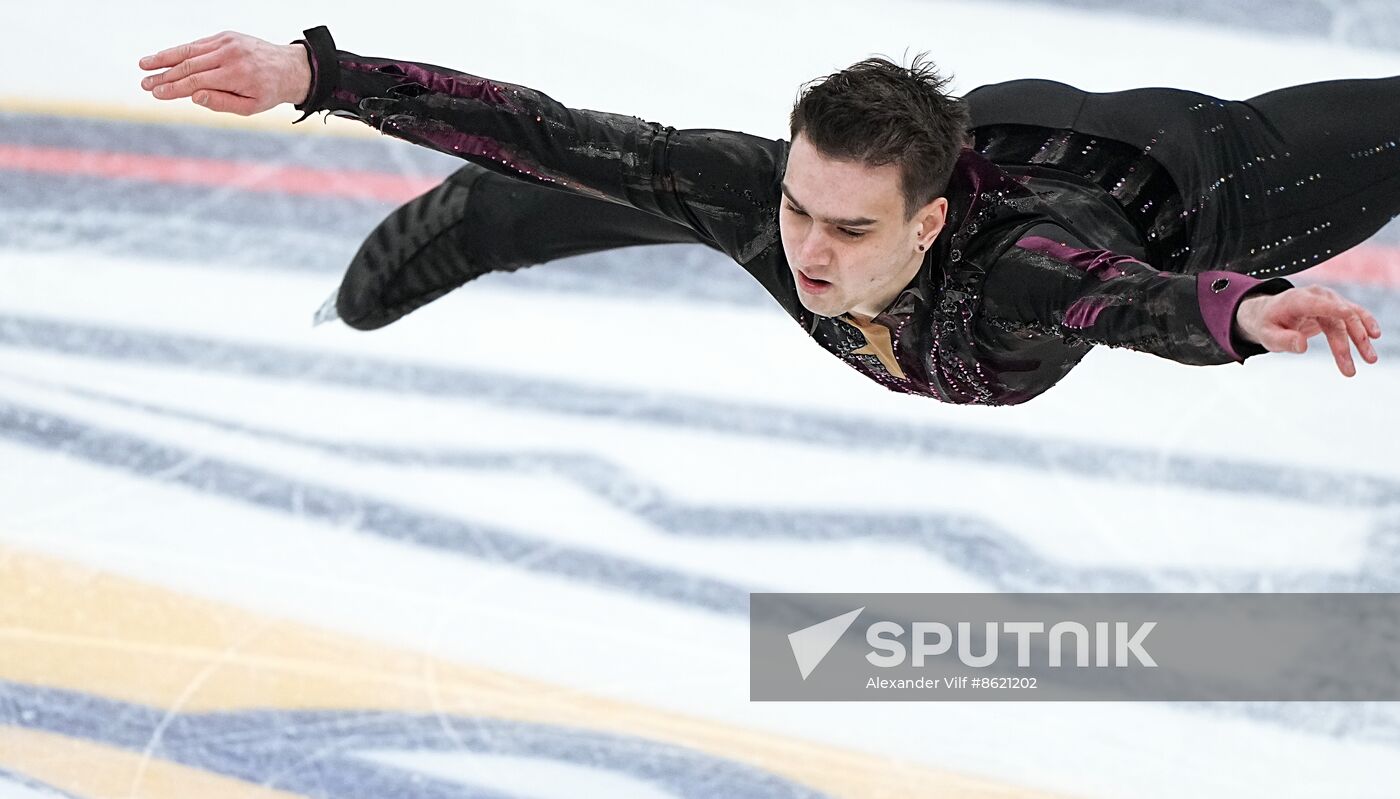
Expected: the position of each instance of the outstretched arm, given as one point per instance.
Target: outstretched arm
(722, 184)
(1051, 283)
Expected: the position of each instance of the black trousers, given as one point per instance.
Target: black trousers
(1269, 186)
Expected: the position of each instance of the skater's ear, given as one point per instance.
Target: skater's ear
(929, 220)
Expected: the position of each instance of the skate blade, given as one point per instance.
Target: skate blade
(326, 313)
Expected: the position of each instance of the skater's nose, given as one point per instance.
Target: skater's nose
(814, 249)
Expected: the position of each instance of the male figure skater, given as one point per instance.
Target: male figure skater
(968, 249)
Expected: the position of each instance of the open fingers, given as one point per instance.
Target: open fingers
(184, 69)
(1357, 323)
(1345, 324)
(1334, 304)
(1338, 340)
(174, 55)
(1356, 328)
(1372, 326)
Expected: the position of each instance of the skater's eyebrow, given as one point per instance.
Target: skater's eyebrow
(858, 222)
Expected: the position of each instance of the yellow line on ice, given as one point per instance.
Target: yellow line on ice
(185, 113)
(67, 626)
(83, 768)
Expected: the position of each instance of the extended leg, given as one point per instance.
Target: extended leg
(1269, 186)
(1337, 181)
(476, 222)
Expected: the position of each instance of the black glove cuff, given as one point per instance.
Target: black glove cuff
(325, 69)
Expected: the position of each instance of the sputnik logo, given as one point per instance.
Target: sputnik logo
(811, 644)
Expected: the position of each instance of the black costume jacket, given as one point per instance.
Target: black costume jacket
(1033, 267)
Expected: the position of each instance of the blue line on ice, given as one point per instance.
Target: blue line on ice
(846, 431)
(972, 545)
(317, 752)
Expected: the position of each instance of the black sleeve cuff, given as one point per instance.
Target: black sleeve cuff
(325, 69)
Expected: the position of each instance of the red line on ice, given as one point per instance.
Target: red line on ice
(1369, 264)
(243, 175)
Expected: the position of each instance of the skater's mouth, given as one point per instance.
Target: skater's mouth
(812, 284)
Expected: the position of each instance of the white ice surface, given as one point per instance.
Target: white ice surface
(528, 778)
(1300, 415)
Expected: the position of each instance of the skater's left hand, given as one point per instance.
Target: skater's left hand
(1285, 321)
(231, 72)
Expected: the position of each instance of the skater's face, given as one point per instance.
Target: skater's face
(849, 241)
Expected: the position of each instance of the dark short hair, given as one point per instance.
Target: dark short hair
(878, 112)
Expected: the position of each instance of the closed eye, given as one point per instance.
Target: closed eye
(847, 232)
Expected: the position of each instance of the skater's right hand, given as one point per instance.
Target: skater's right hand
(1285, 321)
(231, 72)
